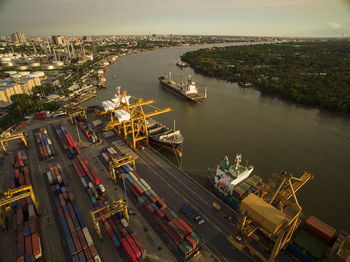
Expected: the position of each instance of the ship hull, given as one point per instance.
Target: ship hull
(175, 91)
(222, 196)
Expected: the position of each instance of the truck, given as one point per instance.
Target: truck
(190, 213)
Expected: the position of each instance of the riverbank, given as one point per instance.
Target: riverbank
(309, 73)
(272, 134)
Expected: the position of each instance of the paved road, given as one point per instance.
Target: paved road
(177, 189)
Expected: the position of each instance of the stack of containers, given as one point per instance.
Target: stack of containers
(44, 144)
(124, 239)
(340, 241)
(67, 141)
(80, 244)
(312, 240)
(21, 175)
(172, 225)
(25, 221)
(87, 130)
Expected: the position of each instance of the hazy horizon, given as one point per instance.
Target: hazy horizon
(275, 18)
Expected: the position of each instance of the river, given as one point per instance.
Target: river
(272, 134)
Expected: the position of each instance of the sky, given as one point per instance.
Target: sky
(299, 18)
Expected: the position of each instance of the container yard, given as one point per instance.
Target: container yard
(82, 216)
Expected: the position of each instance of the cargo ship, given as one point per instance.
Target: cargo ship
(164, 137)
(232, 182)
(313, 240)
(186, 90)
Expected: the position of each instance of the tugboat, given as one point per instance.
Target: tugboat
(186, 90)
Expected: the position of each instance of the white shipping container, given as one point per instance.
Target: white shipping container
(102, 188)
(133, 176)
(31, 210)
(145, 183)
(130, 167)
(105, 157)
(59, 179)
(97, 259)
(88, 237)
(91, 185)
(124, 222)
(49, 177)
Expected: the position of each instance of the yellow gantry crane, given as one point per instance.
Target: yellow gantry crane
(5, 137)
(12, 195)
(73, 111)
(262, 220)
(137, 125)
(116, 163)
(109, 210)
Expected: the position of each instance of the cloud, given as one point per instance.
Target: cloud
(335, 25)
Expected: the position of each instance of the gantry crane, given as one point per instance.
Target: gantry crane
(6, 136)
(73, 111)
(262, 220)
(116, 163)
(12, 195)
(109, 210)
(137, 125)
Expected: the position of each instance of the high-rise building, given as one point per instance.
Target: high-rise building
(57, 39)
(18, 37)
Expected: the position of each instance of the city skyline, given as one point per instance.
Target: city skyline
(294, 18)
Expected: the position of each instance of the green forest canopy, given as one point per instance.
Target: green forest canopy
(311, 73)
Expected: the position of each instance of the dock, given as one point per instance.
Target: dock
(172, 185)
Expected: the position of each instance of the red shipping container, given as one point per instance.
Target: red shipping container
(128, 250)
(20, 244)
(111, 232)
(36, 246)
(180, 227)
(136, 174)
(133, 246)
(172, 235)
(76, 242)
(96, 179)
(69, 222)
(191, 241)
(82, 239)
(138, 243)
(185, 225)
(28, 244)
(93, 251)
(160, 213)
(124, 232)
(87, 254)
(33, 227)
(319, 229)
(176, 229)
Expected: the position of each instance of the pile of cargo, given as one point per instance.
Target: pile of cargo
(67, 141)
(122, 115)
(87, 130)
(83, 169)
(21, 175)
(78, 238)
(340, 242)
(168, 221)
(44, 143)
(312, 240)
(252, 184)
(25, 221)
(117, 227)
